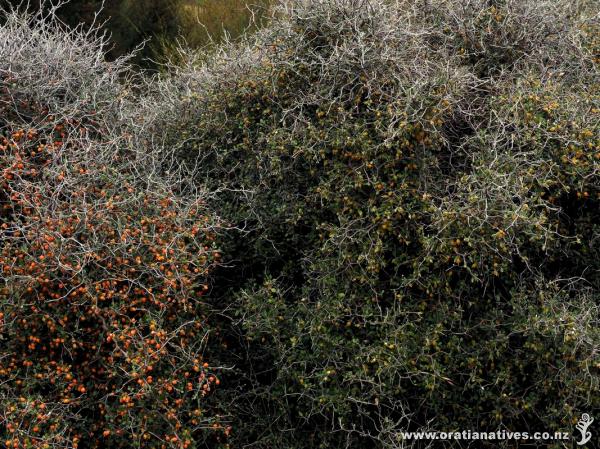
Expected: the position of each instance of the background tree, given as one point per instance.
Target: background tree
(158, 25)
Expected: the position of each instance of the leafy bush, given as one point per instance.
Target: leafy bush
(104, 257)
(416, 187)
(408, 215)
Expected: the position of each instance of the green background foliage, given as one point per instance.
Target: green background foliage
(160, 24)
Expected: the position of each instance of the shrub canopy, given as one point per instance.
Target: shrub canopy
(416, 187)
(408, 194)
(104, 254)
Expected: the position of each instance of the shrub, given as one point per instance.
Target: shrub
(416, 188)
(408, 198)
(104, 257)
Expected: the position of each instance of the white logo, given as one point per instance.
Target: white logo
(582, 426)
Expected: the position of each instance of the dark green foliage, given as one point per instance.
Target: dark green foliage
(416, 243)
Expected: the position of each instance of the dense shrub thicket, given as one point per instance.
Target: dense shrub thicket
(417, 188)
(408, 194)
(104, 255)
